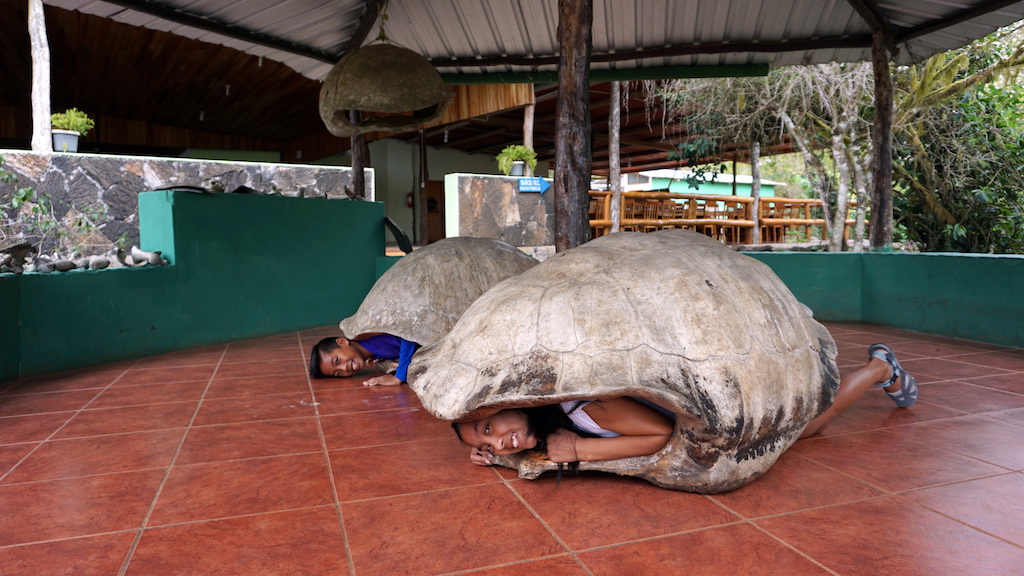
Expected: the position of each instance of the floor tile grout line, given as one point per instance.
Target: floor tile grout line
(961, 521)
(752, 522)
(792, 547)
(887, 491)
(330, 471)
(167, 474)
(74, 414)
(522, 500)
(180, 523)
(514, 563)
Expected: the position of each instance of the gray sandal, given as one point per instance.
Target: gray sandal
(907, 394)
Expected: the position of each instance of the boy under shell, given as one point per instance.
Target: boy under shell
(339, 357)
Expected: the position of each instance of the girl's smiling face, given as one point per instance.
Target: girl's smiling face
(506, 432)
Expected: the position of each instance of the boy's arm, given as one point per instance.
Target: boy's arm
(405, 353)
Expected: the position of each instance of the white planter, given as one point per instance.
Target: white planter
(518, 167)
(65, 140)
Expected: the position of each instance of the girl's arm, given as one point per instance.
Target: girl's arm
(644, 431)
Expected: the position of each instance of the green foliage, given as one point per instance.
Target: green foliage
(959, 184)
(513, 153)
(72, 119)
(694, 154)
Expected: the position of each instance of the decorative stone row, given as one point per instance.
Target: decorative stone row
(22, 257)
(106, 188)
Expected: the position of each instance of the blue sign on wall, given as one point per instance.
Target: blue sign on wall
(538, 185)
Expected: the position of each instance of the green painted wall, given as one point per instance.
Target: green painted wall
(976, 296)
(829, 284)
(10, 339)
(247, 266)
(973, 296)
(242, 267)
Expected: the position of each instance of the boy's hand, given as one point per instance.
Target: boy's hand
(479, 458)
(562, 446)
(386, 380)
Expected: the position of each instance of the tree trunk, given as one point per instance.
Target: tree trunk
(860, 187)
(836, 220)
(880, 228)
(755, 190)
(42, 139)
(614, 170)
(816, 173)
(572, 125)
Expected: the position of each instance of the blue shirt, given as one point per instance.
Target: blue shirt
(391, 347)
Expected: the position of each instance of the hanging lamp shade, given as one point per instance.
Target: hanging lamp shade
(395, 88)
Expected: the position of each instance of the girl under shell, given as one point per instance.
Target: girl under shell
(605, 429)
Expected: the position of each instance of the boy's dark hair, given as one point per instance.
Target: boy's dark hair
(323, 346)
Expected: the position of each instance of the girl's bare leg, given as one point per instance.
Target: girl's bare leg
(852, 387)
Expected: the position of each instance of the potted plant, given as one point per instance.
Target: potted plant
(68, 126)
(512, 159)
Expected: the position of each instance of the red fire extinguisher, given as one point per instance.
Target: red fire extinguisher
(408, 200)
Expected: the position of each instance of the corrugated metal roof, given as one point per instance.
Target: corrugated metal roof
(455, 34)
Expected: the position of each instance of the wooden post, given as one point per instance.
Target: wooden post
(42, 139)
(572, 125)
(360, 158)
(880, 227)
(614, 170)
(528, 113)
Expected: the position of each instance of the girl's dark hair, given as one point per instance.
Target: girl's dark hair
(545, 420)
(542, 421)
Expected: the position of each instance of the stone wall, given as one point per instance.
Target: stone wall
(95, 197)
(496, 207)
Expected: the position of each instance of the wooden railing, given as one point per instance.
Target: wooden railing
(726, 218)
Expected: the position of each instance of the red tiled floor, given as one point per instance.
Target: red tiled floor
(578, 509)
(98, 455)
(90, 556)
(443, 531)
(893, 536)
(235, 441)
(892, 460)
(229, 460)
(295, 542)
(738, 549)
(990, 504)
(128, 419)
(236, 488)
(39, 511)
(795, 483)
(32, 427)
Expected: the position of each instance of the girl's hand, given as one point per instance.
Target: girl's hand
(562, 446)
(480, 458)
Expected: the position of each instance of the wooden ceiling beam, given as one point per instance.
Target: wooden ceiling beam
(863, 41)
(366, 22)
(875, 19)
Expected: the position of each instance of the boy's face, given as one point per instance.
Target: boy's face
(342, 362)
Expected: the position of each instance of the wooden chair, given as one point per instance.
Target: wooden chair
(597, 212)
(629, 212)
(652, 211)
(669, 210)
